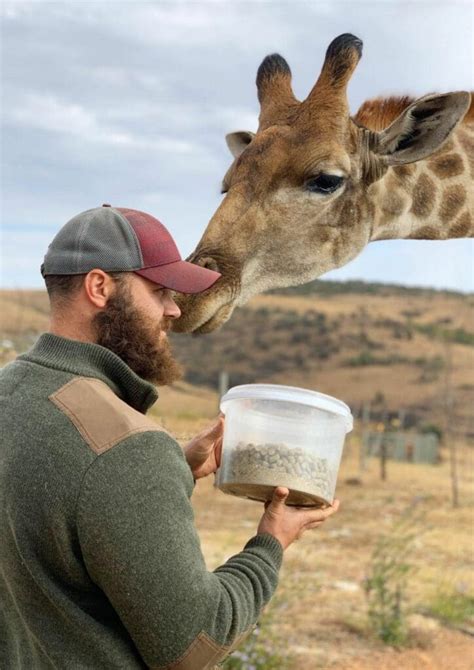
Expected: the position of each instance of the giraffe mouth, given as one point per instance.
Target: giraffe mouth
(216, 320)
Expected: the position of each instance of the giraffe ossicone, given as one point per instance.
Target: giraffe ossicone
(313, 186)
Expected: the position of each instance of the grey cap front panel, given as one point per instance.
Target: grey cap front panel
(98, 238)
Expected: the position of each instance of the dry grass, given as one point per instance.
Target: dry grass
(319, 608)
(23, 311)
(399, 383)
(323, 623)
(183, 409)
(428, 308)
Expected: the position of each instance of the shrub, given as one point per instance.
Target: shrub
(259, 651)
(435, 331)
(431, 368)
(367, 358)
(452, 607)
(432, 428)
(378, 399)
(364, 358)
(386, 582)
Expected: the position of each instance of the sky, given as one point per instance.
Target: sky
(128, 103)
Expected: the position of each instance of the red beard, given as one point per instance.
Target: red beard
(137, 340)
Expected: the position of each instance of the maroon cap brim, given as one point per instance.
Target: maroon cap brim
(181, 276)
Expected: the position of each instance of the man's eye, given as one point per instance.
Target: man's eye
(166, 293)
(324, 183)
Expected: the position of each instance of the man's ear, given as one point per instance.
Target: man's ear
(421, 128)
(98, 286)
(239, 141)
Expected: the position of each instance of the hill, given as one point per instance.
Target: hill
(325, 287)
(401, 349)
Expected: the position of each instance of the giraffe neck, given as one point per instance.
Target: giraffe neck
(431, 199)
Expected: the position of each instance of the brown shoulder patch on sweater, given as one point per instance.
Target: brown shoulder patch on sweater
(99, 415)
(204, 652)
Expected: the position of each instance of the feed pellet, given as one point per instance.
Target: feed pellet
(255, 469)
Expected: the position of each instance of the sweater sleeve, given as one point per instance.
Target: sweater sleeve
(140, 546)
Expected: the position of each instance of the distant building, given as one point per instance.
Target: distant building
(408, 447)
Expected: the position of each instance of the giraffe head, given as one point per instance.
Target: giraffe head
(296, 203)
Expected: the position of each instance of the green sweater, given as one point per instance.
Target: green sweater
(101, 564)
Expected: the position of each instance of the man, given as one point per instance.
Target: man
(101, 562)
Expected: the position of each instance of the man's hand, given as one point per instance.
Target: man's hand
(288, 524)
(203, 453)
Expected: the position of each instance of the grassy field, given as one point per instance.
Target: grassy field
(319, 613)
(318, 617)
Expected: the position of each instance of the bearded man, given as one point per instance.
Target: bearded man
(101, 565)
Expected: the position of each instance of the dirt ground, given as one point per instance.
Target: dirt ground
(319, 609)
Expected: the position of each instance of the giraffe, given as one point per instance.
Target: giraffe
(314, 186)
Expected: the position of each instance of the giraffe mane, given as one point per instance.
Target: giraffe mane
(378, 113)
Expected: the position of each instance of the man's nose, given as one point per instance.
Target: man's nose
(172, 310)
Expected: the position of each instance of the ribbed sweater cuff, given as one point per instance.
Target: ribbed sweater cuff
(271, 545)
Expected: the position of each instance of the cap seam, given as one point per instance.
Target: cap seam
(139, 249)
(84, 272)
(162, 265)
(78, 251)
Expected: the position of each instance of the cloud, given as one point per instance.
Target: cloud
(129, 102)
(46, 112)
(21, 258)
(49, 113)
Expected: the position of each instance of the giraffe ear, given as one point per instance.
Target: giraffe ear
(239, 141)
(421, 128)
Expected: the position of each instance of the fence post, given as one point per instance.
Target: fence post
(223, 386)
(364, 434)
(383, 448)
(449, 416)
(401, 418)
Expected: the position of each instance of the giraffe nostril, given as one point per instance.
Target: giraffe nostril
(209, 263)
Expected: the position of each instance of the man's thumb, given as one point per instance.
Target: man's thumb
(218, 426)
(280, 494)
(209, 435)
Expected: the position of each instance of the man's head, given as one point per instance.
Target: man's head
(110, 275)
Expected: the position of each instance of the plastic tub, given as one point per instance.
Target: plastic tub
(282, 436)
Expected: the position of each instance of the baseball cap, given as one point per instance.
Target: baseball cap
(117, 239)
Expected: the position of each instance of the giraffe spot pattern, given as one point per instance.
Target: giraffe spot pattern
(448, 145)
(322, 235)
(462, 226)
(370, 212)
(393, 203)
(350, 213)
(445, 166)
(452, 200)
(404, 172)
(426, 233)
(466, 139)
(349, 216)
(423, 196)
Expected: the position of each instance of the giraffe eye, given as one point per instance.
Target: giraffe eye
(324, 183)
